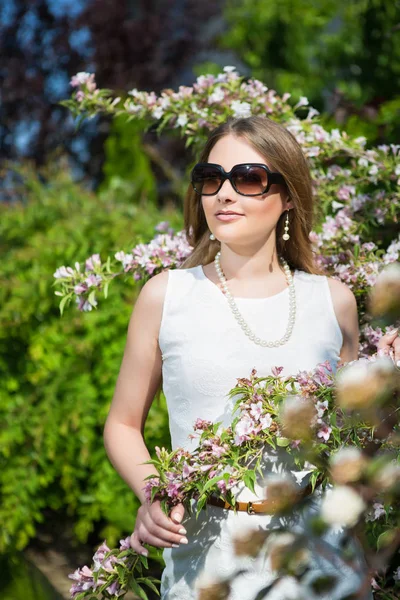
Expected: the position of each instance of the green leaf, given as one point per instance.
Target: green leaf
(149, 584)
(106, 289)
(282, 442)
(64, 302)
(144, 561)
(92, 298)
(249, 479)
(135, 587)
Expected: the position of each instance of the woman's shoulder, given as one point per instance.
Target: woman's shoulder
(340, 292)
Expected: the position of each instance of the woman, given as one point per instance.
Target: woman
(219, 316)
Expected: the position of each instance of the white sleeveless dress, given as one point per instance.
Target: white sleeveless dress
(204, 352)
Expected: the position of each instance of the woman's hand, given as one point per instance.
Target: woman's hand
(389, 345)
(154, 527)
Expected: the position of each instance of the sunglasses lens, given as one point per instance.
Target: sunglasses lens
(206, 180)
(250, 180)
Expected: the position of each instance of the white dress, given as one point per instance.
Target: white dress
(204, 352)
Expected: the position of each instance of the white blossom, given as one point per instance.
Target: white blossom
(241, 109)
(342, 506)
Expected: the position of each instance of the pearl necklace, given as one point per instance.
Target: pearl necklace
(236, 313)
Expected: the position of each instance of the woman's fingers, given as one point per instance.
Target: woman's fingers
(389, 343)
(154, 527)
(155, 531)
(159, 518)
(177, 513)
(396, 346)
(136, 544)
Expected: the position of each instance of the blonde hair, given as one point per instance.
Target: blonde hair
(284, 154)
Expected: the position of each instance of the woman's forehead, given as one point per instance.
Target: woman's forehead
(231, 150)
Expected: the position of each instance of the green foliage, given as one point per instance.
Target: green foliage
(58, 375)
(324, 50)
(127, 169)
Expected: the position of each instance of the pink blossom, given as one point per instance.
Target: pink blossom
(205, 468)
(125, 544)
(217, 450)
(85, 581)
(115, 589)
(187, 470)
(173, 488)
(266, 421)
(80, 288)
(324, 432)
(149, 485)
(256, 410)
(379, 511)
(92, 262)
(221, 485)
(321, 407)
(202, 424)
(276, 371)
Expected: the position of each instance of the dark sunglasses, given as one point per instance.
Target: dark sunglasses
(248, 179)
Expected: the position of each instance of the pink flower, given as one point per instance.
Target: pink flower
(149, 485)
(80, 288)
(187, 470)
(92, 262)
(321, 408)
(276, 371)
(202, 425)
(85, 581)
(115, 589)
(217, 451)
(221, 485)
(379, 511)
(265, 421)
(256, 410)
(205, 468)
(125, 544)
(324, 432)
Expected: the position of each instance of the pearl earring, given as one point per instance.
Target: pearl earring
(286, 235)
(212, 236)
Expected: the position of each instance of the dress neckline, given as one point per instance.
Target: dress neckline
(280, 294)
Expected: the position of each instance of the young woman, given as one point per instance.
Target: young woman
(249, 296)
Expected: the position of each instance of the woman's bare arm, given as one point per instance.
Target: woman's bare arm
(345, 307)
(137, 383)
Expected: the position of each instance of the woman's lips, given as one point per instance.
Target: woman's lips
(231, 217)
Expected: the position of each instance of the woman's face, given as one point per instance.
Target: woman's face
(259, 214)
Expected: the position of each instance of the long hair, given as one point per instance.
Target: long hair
(284, 154)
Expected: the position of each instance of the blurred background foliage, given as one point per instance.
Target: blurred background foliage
(58, 375)
(66, 194)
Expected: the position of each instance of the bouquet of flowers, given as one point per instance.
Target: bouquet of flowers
(343, 428)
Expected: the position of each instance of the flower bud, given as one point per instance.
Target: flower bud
(388, 477)
(296, 416)
(342, 506)
(249, 542)
(384, 299)
(347, 465)
(362, 383)
(210, 588)
(281, 492)
(285, 553)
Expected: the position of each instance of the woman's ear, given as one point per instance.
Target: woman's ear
(288, 203)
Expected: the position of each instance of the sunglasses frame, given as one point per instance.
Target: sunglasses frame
(273, 177)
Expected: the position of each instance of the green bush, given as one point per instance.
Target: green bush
(58, 375)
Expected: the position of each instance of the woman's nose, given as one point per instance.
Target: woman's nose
(227, 191)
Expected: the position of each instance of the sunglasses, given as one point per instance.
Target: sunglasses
(248, 179)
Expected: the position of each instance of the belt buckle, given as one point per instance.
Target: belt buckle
(250, 509)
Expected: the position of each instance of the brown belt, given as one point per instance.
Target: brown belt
(267, 507)
(262, 506)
